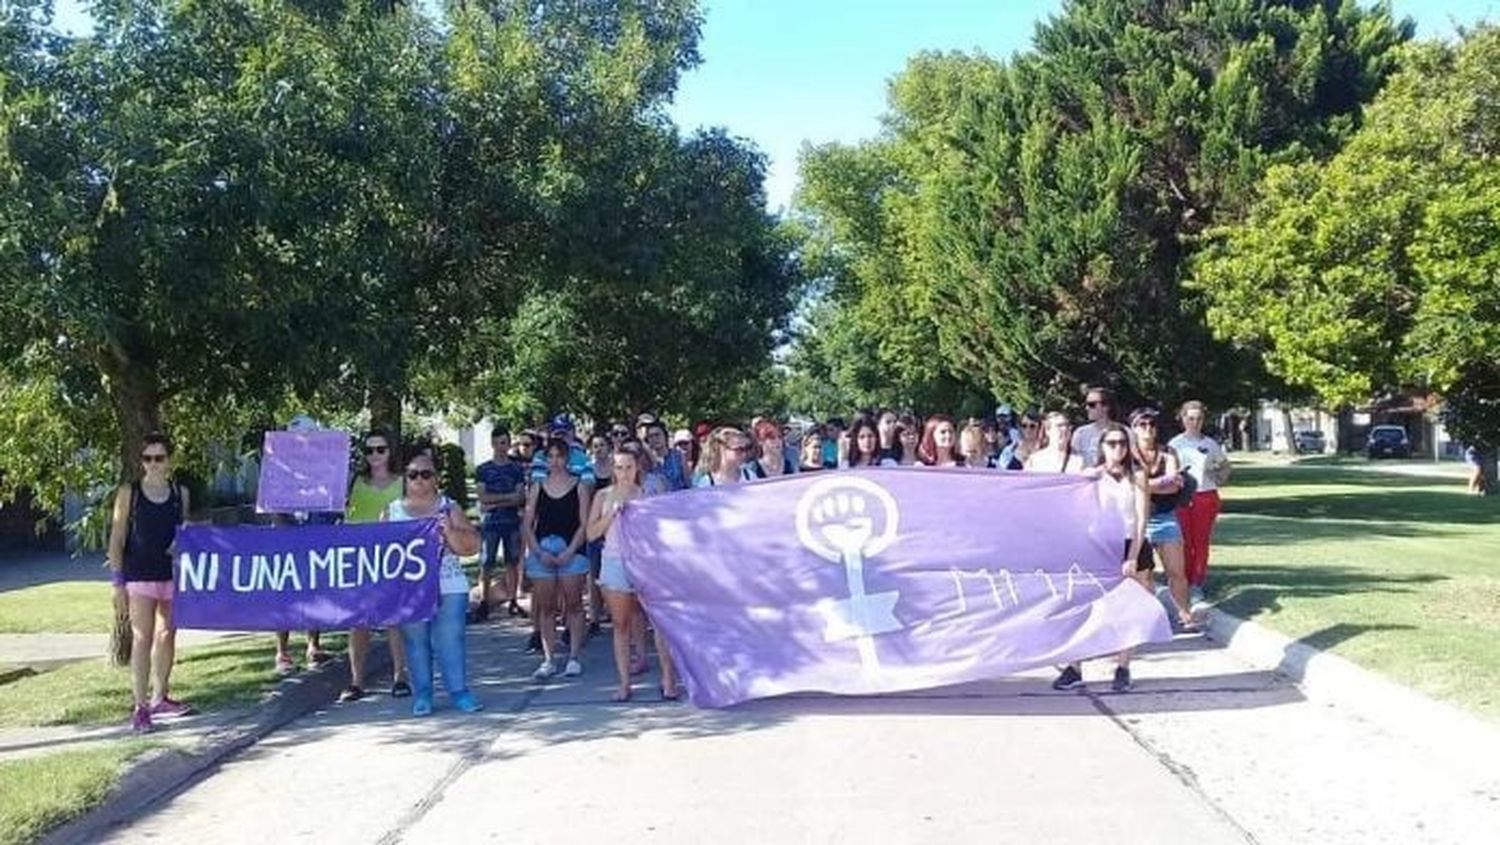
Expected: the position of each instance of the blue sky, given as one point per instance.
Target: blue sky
(784, 72)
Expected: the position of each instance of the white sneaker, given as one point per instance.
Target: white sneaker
(574, 668)
(544, 671)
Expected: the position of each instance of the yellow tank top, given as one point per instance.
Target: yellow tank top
(366, 502)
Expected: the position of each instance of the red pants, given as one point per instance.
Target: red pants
(1197, 521)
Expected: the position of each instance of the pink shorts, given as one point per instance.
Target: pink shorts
(159, 590)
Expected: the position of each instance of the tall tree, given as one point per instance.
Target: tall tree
(1380, 269)
(1036, 216)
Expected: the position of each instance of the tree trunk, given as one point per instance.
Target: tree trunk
(385, 409)
(136, 395)
(1488, 464)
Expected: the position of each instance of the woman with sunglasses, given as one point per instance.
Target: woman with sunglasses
(440, 638)
(557, 510)
(375, 487)
(629, 626)
(143, 528)
(939, 446)
(864, 443)
(1056, 453)
(1122, 488)
(1014, 455)
(1164, 476)
(724, 457)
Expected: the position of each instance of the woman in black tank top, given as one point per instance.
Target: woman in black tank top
(143, 528)
(552, 529)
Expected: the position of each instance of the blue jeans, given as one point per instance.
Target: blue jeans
(443, 634)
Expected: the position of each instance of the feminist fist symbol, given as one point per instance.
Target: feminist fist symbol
(836, 519)
(843, 522)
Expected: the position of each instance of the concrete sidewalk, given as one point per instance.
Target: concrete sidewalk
(1206, 749)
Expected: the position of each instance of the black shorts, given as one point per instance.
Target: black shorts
(1146, 560)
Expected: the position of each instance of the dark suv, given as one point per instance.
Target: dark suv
(1388, 441)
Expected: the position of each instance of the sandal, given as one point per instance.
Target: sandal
(284, 665)
(515, 609)
(400, 689)
(621, 695)
(351, 693)
(318, 657)
(674, 695)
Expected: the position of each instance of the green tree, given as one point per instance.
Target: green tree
(1035, 217)
(1380, 269)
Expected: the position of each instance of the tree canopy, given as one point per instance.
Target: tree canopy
(1380, 269)
(212, 214)
(1023, 227)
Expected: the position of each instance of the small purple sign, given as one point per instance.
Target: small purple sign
(319, 577)
(882, 580)
(303, 472)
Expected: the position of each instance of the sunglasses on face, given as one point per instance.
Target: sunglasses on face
(423, 474)
(154, 458)
(375, 450)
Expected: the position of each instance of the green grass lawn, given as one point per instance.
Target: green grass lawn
(39, 793)
(90, 692)
(67, 607)
(1400, 574)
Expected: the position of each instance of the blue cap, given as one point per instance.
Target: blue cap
(561, 422)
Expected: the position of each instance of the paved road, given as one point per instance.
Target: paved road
(1208, 750)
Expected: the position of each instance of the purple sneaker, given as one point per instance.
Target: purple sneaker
(140, 720)
(169, 709)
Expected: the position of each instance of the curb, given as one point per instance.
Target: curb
(1448, 731)
(158, 776)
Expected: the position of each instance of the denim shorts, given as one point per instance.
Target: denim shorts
(502, 546)
(612, 575)
(554, 544)
(1163, 528)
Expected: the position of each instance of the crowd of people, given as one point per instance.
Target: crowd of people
(548, 500)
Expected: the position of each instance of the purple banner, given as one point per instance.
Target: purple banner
(320, 577)
(881, 580)
(303, 472)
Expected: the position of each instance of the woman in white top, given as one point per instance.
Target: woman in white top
(1122, 488)
(1056, 453)
(442, 636)
(1204, 459)
(629, 623)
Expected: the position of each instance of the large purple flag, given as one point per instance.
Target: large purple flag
(881, 580)
(319, 577)
(303, 471)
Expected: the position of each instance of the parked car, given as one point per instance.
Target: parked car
(1388, 441)
(1309, 442)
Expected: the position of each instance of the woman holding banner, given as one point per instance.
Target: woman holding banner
(146, 516)
(629, 621)
(375, 487)
(864, 443)
(556, 510)
(1123, 489)
(442, 636)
